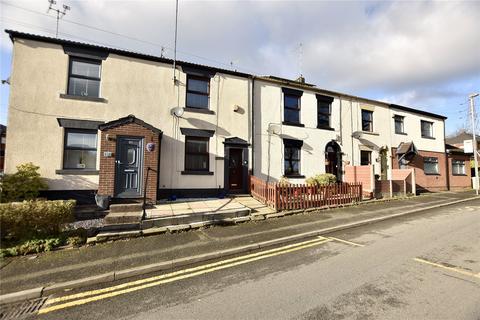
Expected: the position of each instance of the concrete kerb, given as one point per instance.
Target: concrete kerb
(123, 274)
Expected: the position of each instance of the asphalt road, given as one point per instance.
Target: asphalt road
(426, 266)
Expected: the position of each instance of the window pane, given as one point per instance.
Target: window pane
(291, 101)
(458, 167)
(292, 115)
(399, 126)
(80, 159)
(198, 85)
(292, 153)
(367, 115)
(196, 162)
(86, 69)
(82, 140)
(323, 120)
(197, 101)
(196, 146)
(84, 87)
(131, 155)
(430, 165)
(427, 129)
(365, 158)
(366, 126)
(292, 167)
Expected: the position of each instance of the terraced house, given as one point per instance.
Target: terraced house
(118, 124)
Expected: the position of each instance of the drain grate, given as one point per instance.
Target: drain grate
(21, 310)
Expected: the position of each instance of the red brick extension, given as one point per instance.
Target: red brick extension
(437, 182)
(107, 164)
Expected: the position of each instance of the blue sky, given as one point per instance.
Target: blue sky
(423, 54)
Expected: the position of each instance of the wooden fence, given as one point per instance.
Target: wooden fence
(302, 196)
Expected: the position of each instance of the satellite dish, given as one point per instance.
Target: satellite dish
(274, 129)
(177, 111)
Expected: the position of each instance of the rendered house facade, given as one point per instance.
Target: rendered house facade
(91, 117)
(301, 130)
(118, 124)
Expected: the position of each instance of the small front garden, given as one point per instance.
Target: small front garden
(29, 224)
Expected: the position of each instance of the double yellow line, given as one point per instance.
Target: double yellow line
(100, 294)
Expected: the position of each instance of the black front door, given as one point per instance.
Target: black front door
(235, 170)
(129, 167)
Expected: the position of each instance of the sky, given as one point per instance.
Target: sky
(421, 54)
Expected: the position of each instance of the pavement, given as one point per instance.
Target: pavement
(195, 206)
(54, 268)
(418, 266)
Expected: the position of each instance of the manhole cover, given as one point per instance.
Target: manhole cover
(21, 310)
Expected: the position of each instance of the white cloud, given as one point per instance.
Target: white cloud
(395, 48)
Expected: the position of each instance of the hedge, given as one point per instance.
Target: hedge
(31, 219)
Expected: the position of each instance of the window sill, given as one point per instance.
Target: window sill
(295, 124)
(80, 172)
(199, 110)
(299, 176)
(82, 98)
(197, 173)
(371, 133)
(402, 133)
(326, 128)
(425, 137)
(459, 175)
(432, 174)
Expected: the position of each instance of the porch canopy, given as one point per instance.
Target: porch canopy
(406, 151)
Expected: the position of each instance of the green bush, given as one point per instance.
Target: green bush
(25, 184)
(34, 219)
(321, 180)
(32, 246)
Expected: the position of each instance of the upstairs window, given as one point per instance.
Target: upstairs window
(84, 77)
(399, 124)
(292, 154)
(365, 158)
(324, 111)
(458, 167)
(367, 120)
(291, 108)
(80, 151)
(427, 129)
(196, 154)
(430, 165)
(198, 91)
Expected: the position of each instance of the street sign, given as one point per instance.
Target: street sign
(468, 146)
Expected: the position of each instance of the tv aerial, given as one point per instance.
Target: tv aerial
(60, 13)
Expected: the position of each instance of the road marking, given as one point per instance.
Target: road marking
(347, 242)
(176, 273)
(252, 258)
(454, 269)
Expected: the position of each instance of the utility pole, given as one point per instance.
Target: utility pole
(474, 137)
(59, 13)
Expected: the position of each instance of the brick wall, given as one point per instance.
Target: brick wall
(459, 182)
(106, 184)
(360, 174)
(427, 182)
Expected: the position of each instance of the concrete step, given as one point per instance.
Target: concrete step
(120, 227)
(125, 207)
(123, 217)
(214, 217)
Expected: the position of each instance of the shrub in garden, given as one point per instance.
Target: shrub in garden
(283, 182)
(34, 219)
(25, 184)
(321, 179)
